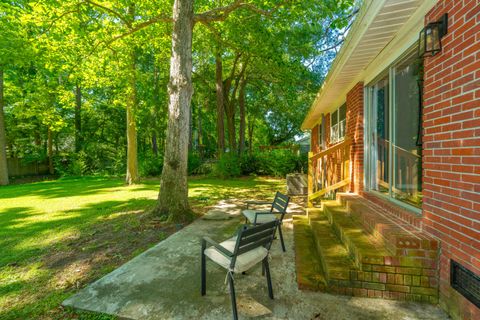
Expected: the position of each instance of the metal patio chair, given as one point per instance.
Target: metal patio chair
(278, 207)
(249, 247)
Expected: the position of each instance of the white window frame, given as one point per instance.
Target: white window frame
(370, 144)
(338, 130)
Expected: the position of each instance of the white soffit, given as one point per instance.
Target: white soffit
(376, 25)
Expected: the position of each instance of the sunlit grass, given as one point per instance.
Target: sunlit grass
(66, 220)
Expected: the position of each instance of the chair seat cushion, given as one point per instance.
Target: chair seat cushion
(244, 261)
(261, 218)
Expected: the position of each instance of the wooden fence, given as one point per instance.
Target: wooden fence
(18, 167)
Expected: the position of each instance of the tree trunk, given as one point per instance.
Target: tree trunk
(51, 170)
(132, 162)
(3, 138)
(220, 104)
(251, 126)
(230, 101)
(78, 118)
(157, 106)
(232, 139)
(190, 129)
(200, 137)
(241, 105)
(173, 197)
(154, 144)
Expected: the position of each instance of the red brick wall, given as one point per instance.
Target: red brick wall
(327, 130)
(355, 133)
(315, 144)
(451, 158)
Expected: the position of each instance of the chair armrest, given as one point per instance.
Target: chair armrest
(263, 212)
(217, 246)
(254, 202)
(259, 212)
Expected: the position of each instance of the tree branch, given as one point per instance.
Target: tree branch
(221, 13)
(109, 10)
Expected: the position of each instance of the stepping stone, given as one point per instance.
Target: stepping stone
(251, 308)
(216, 215)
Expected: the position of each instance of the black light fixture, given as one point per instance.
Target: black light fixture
(430, 37)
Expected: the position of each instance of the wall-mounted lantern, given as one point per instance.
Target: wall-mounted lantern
(430, 37)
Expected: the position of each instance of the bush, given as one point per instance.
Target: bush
(250, 164)
(276, 163)
(228, 166)
(194, 162)
(71, 164)
(206, 167)
(150, 165)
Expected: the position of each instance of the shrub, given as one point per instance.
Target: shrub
(206, 167)
(250, 164)
(228, 166)
(150, 165)
(276, 163)
(194, 162)
(71, 164)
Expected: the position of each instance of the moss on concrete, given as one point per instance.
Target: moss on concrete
(309, 272)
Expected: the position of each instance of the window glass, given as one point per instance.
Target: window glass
(320, 136)
(338, 124)
(407, 151)
(334, 118)
(343, 113)
(394, 132)
(381, 135)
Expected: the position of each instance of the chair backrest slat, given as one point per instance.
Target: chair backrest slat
(280, 204)
(264, 242)
(254, 237)
(249, 231)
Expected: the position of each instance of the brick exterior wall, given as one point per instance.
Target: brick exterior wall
(451, 158)
(355, 131)
(314, 143)
(327, 130)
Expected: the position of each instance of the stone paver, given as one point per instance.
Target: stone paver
(164, 283)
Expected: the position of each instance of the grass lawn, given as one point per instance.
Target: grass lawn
(58, 236)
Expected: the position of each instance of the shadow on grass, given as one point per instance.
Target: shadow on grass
(100, 235)
(65, 187)
(105, 235)
(20, 239)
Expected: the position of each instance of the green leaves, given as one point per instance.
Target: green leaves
(48, 47)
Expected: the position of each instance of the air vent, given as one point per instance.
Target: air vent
(466, 282)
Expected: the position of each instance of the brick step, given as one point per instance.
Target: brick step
(399, 237)
(334, 258)
(309, 271)
(362, 247)
(323, 263)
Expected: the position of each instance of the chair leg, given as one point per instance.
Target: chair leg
(204, 274)
(232, 296)
(269, 279)
(281, 237)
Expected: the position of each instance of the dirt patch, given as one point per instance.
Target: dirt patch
(91, 254)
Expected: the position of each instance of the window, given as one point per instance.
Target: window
(338, 120)
(393, 135)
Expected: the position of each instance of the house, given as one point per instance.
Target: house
(304, 144)
(395, 139)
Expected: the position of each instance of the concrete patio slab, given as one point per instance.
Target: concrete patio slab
(164, 283)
